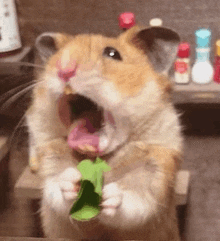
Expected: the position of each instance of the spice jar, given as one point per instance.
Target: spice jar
(182, 64)
(217, 62)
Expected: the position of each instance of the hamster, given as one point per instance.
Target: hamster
(118, 107)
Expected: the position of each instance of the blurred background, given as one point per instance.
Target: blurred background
(200, 220)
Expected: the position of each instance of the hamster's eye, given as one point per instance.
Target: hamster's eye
(112, 53)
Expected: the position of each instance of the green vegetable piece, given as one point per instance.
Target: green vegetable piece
(86, 167)
(87, 205)
(101, 166)
(90, 194)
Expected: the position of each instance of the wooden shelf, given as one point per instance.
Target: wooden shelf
(3, 146)
(10, 65)
(30, 185)
(197, 93)
(182, 186)
(34, 239)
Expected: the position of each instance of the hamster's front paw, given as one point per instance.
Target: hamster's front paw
(61, 190)
(69, 181)
(112, 199)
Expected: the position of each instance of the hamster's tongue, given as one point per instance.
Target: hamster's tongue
(83, 134)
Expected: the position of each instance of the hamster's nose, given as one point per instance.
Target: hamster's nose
(65, 73)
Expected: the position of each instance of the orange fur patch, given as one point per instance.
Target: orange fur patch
(165, 85)
(168, 163)
(129, 75)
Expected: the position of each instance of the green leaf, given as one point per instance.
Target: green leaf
(85, 213)
(98, 160)
(86, 167)
(87, 205)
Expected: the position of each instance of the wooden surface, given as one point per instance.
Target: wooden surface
(30, 239)
(3, 146)
(196, 93)
(17, 57)
(4, 162)
(182, 186)
(10, 65)
(30, 185)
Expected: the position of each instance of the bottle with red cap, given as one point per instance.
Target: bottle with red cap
(126, 20)
(182, 64)
(217, 62)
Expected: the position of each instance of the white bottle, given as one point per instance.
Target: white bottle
(9, 31)
(202, 70)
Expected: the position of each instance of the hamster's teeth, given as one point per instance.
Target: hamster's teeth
(90, 148)
(68, 90)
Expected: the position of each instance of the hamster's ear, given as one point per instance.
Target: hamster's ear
(49, 43)
(160, 45)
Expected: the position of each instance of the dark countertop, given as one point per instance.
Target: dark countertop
(29, 239)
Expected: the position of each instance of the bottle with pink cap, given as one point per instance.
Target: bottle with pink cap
(126, 20)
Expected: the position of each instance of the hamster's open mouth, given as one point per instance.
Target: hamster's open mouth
(87, 123)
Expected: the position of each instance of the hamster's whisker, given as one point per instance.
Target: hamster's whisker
(15, 129)
(18, 95)
(29, 65)
(6, 94)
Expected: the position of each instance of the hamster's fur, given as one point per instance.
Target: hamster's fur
(124, 78)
